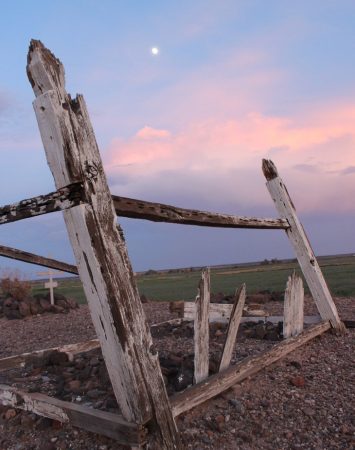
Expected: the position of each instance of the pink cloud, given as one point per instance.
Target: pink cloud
(310, 157)
(152, 133)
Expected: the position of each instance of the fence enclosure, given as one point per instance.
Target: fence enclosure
(105, 270)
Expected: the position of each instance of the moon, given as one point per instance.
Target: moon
(155, 51)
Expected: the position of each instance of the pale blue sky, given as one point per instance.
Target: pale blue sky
(234, 82)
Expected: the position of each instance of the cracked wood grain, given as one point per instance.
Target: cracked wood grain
(100, 252)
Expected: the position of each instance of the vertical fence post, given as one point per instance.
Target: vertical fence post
(302, 247)
(201, 328)
(293, 307)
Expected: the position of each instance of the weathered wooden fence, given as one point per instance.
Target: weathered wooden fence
(104, 268)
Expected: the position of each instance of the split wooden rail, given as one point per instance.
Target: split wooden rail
(90, 213)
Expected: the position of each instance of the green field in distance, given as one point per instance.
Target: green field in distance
(181, 284)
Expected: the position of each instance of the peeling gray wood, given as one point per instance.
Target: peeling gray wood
(201, 328)
(293, 307)
(31, 258)
(220, 382)
(104, 267)
(64, 198)
(96, 421)
(232, 330)
(158, 212)
(305, 255)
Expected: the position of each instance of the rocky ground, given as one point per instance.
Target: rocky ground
(305, 401)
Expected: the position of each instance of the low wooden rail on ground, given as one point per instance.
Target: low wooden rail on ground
(104, 268)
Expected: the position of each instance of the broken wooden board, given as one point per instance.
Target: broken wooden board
(233, 326)
(218, 383)
(96, 421)
(220, 312)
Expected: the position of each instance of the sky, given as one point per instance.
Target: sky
(234, 82)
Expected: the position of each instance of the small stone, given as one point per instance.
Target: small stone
(10, 414)
(54, 439)
(205, 439)
(309, 412)
(298, 381)
(94, 361)
(74, 385)
(296, 364)
(265, 403)
(220, 418)
(260, 331)
(244, 436)
(237, 405)
(27, 420)
(44, 423)
(95, 393)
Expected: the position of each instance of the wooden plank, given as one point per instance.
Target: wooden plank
(218, 383)
(31, 258)
(305, 255)
(201, 328)
(27, 358)
(64, 198)
(293, 307)
(101, 255)
(221, 313)
(232, 330)
(96, 421)
(158, 212)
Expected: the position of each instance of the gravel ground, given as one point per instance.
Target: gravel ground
(305, 401)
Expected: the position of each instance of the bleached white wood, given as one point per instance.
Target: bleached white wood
(108, 424)
(233, 325)
(50, 284)
(293, 307)
(201, 328)
(305, 255)
(102, 260)
(222, 312)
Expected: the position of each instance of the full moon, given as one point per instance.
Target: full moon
(155, 50)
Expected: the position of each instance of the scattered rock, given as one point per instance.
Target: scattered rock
(298, 381)
(10, 414)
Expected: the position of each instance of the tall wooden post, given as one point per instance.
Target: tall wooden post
(305, 255)
(293, 307)
(201, 327)
(103, 264)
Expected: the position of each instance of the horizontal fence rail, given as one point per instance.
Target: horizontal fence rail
(73, 195)
(31, 258)
(158, 212)
(64, 198)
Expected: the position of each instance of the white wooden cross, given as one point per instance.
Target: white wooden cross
(50, 284)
